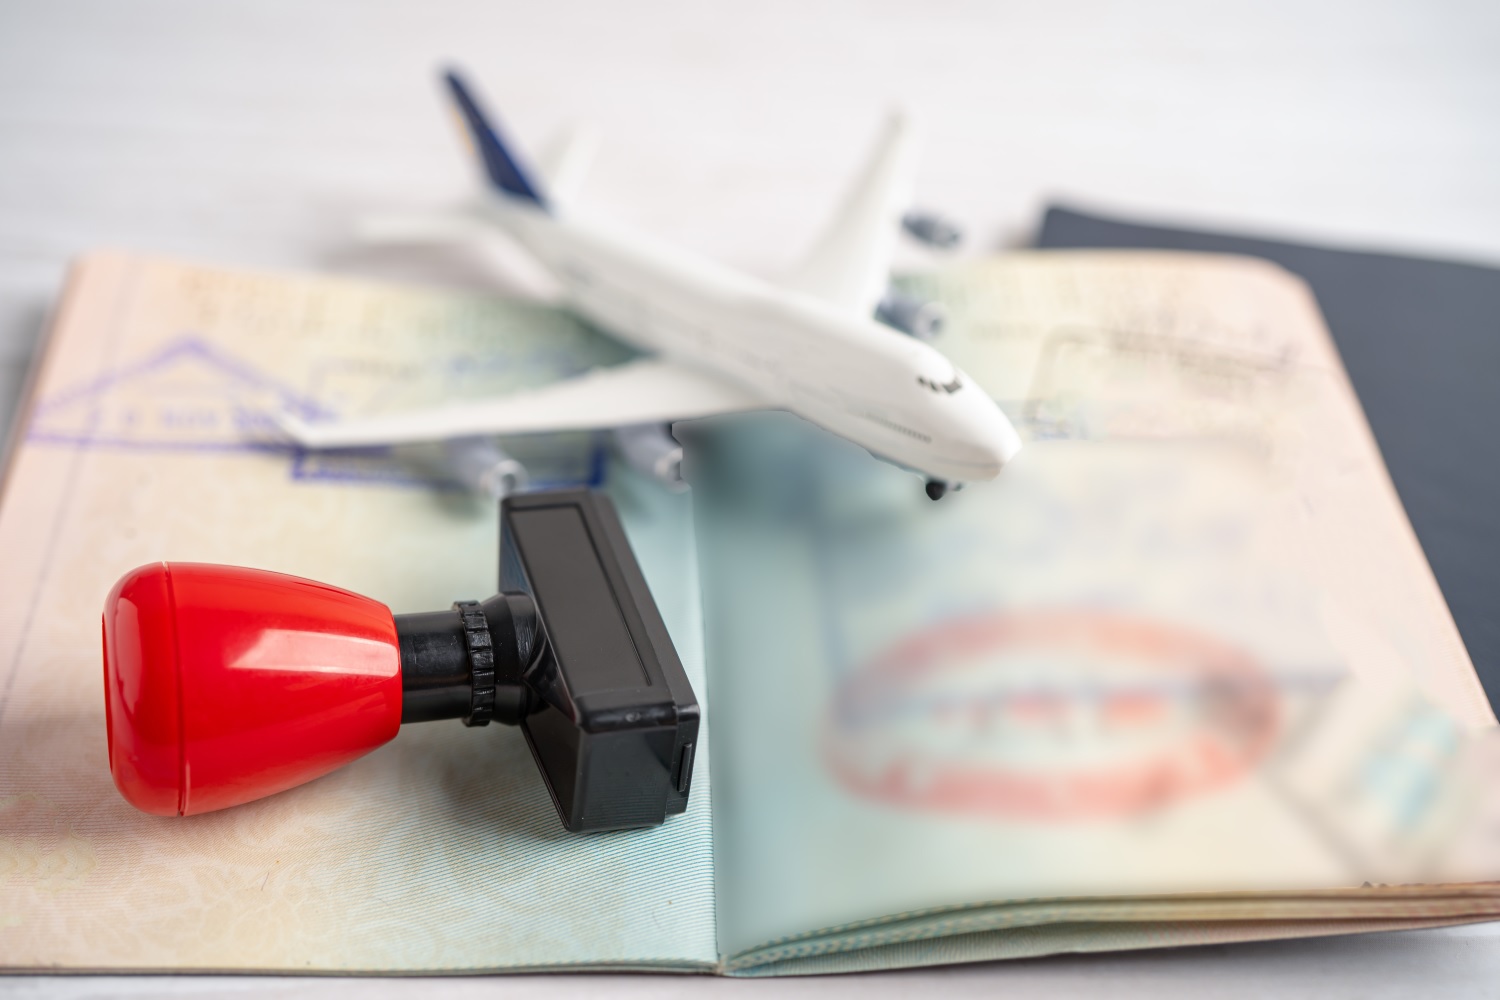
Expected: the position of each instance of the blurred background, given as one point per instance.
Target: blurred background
(257, 133)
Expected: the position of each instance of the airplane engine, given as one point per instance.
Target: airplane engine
(651, 449)
(932, 229)
(915, 317)
(485, 468)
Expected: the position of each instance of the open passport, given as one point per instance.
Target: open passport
(1180, 675)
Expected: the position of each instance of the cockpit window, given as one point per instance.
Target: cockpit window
(949, 387)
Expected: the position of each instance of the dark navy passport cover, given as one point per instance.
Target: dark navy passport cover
(1421, 341)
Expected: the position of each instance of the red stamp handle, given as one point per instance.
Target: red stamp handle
(224, 684)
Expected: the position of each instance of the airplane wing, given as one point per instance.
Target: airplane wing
(850, 263)
(650, 390)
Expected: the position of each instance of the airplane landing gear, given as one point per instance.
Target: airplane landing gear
(936, 489)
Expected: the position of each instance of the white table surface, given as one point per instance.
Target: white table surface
(255, 133)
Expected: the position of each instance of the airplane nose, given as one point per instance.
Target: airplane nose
(1005, 442)
(997, 443)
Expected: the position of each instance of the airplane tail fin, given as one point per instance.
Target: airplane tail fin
(504, 171)
(563, 163)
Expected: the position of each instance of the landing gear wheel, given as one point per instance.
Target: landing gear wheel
(936, 489)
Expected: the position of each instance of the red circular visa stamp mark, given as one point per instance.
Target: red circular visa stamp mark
(1054, 715)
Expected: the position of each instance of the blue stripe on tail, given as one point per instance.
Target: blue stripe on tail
(505, 173)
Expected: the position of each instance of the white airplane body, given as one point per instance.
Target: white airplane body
(719, 340)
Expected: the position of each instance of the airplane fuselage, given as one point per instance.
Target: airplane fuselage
(894, 395)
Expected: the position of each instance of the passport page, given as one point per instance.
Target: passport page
(441, 851)
(1181, 666)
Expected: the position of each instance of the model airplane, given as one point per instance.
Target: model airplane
(719, 341)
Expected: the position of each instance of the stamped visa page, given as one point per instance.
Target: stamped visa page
(439, 851)
(1185, 644)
